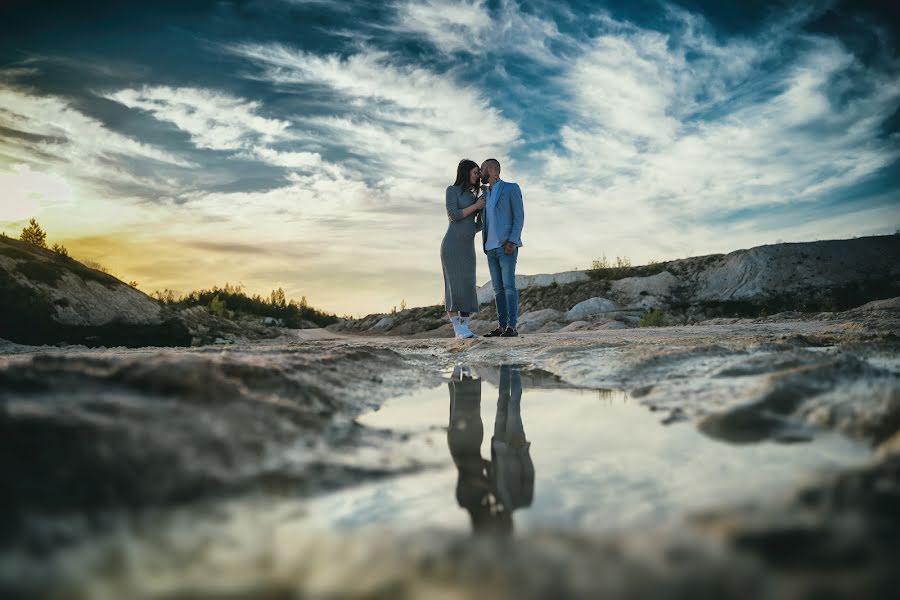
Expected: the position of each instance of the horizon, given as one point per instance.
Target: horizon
(265, 293)
(307, 146)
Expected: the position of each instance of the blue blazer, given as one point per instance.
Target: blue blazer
(507, 216)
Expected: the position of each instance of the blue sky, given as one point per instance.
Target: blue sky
(307, 144)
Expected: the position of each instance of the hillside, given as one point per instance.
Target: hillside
(49, 298)
(809, 277)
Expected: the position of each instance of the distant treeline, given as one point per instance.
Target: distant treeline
(231, 299)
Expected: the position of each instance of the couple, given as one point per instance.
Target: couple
(490, 490)
(480, 200)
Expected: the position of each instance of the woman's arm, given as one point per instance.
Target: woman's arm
(453, 211)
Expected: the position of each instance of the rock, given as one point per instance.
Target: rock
(766, 273)
(889, 446)
(486, 291)
(550, 327)
(589, 308)
(48, 298)
(629, 320)
(644, 292)
(383, 324)
(575, 326)
(444, 331)
(481, 327)
(405, 328)
(534, 320)
(272, 322)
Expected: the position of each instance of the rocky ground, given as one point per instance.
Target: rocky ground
(813, 277)
(176, 472)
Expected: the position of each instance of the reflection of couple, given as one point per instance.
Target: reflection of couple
(490, 490)
(496, 209)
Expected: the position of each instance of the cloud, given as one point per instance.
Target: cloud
(412, 121)
(214, 120)
(55, 157)
(471, 27)
(645, 130)
(65, 133)
(296, 161)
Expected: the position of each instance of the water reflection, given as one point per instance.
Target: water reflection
(606, 463)
(490, 490)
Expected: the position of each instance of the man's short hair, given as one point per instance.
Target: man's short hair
(495, 161)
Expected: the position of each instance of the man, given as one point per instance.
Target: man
(512, 469)
(503, 218)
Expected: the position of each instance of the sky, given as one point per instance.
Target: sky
(308, 144)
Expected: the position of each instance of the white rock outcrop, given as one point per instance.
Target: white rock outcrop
(534, 320)
(644, 292)
(384, 324)
(775, 270)
(486, 291)
(589, 308)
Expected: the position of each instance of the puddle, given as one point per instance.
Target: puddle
(515, 450)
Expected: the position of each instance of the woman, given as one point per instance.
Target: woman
(464, 435)
(458, 247)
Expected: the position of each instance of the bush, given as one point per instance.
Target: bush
(33, 234)
(60, 249)
(603, 269)
(654, 318)
(94, 265)
(218, 307)
(234, 301)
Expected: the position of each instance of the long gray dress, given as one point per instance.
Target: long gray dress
(458, 253)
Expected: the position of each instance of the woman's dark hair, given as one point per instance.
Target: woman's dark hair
(462, 174)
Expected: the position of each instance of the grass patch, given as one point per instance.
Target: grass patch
(654, 318)
(620, 271)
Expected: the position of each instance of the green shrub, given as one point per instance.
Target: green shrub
(218, 307)
(603, 269)
(654, 318)
(33, 234)
(292, 312)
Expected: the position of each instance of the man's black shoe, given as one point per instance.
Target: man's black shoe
(495, 333)
(510, 332)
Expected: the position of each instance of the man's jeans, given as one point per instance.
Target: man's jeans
(503, 278)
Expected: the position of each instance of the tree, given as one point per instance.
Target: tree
(277, 298)
(303, 303)
(33, 234)
(166, 296)
(403, 305)
(60, 249)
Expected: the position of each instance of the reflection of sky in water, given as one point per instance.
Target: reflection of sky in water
(600, 459)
